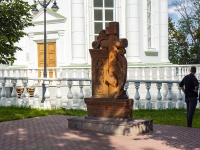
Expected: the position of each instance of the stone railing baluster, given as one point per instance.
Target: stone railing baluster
(165, 73)
(4, 101)
(143, 73)
(36, 101)
(81, 96)
(48, 72)
(158, 73)
(172, 73)
(47, 102)
(69, 95)
(137, 104)
(136, 73)
(58, 95)
(82, 73)
(89, 74)
(179, 103)
(169, 103)
(179, 73)
(14, 92)
(126, 88)
(148, 104)
(150, 73)
(128, 73)
(74, 76)
(41, 74)
(25, 95)
(159, 104)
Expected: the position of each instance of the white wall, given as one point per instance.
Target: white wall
(74, 36)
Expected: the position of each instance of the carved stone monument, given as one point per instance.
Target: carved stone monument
(109, 109)
(109, 72)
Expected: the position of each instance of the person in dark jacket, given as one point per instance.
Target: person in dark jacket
(190, 86)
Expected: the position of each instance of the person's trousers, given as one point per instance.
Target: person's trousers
(191, 104)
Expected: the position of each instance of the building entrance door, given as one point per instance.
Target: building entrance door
(50, 57)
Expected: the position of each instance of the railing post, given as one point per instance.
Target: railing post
(47, 102)
(143, 73)
(150, 73)
(136, 73)
(137, 96)
(179, 103)
(169, 96)
(148, 104)
(25, 95)
(14, 93)
(126, 88)
(4, 101)
(58, 95)
(36, 102)
(81, 96)
(159, 104)
(172, 74)
(69, 95)
(165, 73)
(158, 73)
(179, 73)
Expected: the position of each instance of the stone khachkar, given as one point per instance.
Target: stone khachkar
(109, 109)
(109, 72)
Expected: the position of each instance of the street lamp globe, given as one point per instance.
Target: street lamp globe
(55, 7)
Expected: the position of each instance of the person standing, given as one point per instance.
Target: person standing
(190, 86)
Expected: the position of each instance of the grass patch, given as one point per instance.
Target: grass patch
(175, 117)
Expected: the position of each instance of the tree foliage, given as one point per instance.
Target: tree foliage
(15, 17)
(188, 31)
(178, 47)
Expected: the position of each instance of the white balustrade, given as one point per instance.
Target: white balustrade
(147, 94)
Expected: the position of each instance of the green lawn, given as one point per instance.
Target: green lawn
(174, 117)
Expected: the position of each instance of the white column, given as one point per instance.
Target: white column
(32, 53)
(61, 50)
(164, 31)
(132, 33)
(78, 32)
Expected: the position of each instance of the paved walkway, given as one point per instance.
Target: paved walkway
(52, 133)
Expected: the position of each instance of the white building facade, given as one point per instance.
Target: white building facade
(72, 29)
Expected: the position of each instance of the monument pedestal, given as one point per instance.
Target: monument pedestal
(113, 116)
(109, 108)
(125, 127)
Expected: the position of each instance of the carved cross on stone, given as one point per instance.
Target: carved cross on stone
(109, 65)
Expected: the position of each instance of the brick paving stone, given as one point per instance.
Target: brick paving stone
(52, 133)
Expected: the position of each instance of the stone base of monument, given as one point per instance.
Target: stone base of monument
(113, 116)
(126, 127)
(109, 108)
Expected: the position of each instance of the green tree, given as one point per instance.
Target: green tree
(178, 47)
(15, 17)
(189, 26)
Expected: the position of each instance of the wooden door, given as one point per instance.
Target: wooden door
(50, 57)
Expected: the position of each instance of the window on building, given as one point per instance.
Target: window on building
(103, 14)
(149, 27)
